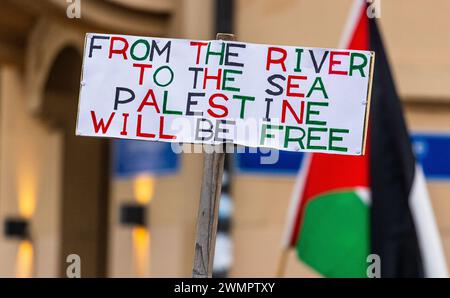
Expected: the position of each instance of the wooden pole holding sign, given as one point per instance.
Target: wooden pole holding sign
(208, 209)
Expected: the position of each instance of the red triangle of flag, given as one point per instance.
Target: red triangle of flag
(330, 172)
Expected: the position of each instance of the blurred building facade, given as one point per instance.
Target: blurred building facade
(64, 187)
(62, 184)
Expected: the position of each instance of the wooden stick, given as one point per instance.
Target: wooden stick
(208, 209)
(282, 261)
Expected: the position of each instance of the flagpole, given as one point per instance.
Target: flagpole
(282, 261)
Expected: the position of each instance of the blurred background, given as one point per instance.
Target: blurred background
(128, 209)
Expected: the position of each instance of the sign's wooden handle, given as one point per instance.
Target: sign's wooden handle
(208, 209)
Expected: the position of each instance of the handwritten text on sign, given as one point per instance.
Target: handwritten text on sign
(172, 90)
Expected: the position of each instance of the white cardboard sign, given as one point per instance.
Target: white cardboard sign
(174, 90)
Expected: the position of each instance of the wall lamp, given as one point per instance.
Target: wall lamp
(133, 214)
(16, 227)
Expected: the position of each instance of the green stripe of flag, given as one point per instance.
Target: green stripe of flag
(334, 236)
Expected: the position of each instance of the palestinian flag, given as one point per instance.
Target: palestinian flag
(348, 207)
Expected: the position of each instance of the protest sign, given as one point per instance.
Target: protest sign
(212, 92)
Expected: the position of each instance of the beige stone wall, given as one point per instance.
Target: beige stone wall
(29, 176)
(32, 169)
(435, 118)
(172, 212)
